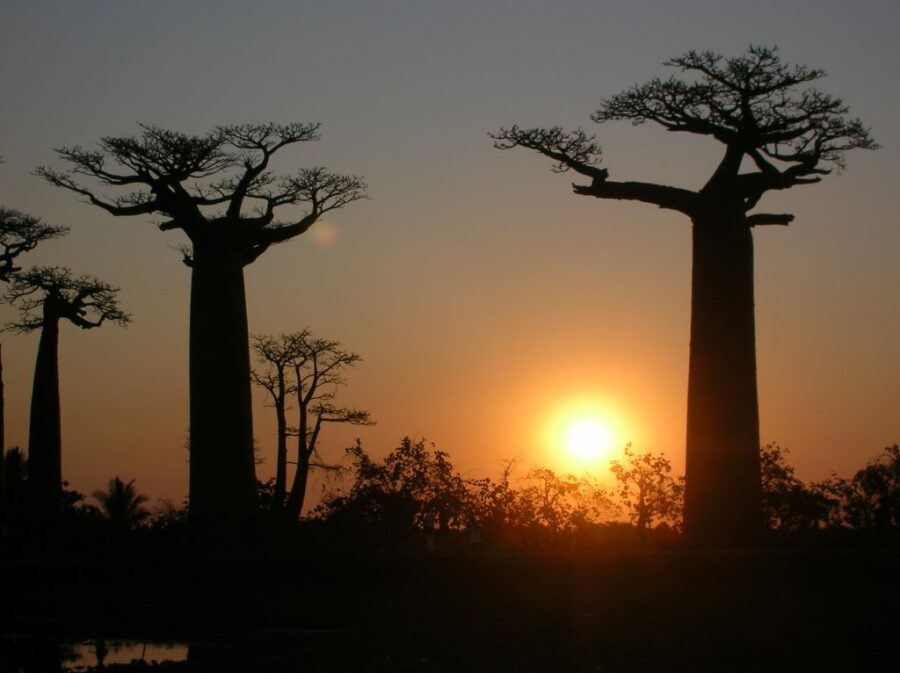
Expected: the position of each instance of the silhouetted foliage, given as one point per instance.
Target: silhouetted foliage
(122, 504)
(391, 497)
(763, 112)
(647, 488)
(871, 499)
(44, 297)
(20, 233)
(416, 487)
(311, 370)
(218, 190)
(788, 503)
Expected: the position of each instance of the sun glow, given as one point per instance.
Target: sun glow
(588, 439)
(583, 434)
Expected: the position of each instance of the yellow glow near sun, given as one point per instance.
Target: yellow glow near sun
(583, 434)
(588, 439)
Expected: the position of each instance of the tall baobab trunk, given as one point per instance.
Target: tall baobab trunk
(723, 498)
(222, 474)
(44, 432)
(2, 445)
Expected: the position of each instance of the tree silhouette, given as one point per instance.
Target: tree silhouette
(647, 489)
(122, 504)
(45, 296)
(19, 233)
(788, 503)
(751, 105)
(871, 499)
(391, 497)
(218, 190)
(311, 370)
(276, 353)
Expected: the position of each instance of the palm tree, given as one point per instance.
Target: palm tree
(121, 504)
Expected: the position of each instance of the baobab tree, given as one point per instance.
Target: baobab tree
(218, 190)
(784, 135)
(45, 296)
(311, 370)
(19, 233)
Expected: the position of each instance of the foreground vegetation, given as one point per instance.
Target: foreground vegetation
(415, 501)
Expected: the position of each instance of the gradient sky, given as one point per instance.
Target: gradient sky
(482, 294)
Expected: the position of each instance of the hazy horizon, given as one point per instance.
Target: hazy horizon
(484, 297)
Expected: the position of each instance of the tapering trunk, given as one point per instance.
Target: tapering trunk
(3, 496)
(44, 432)
(294, 505)
(281, 453)
(222, 471)
(723, 495)
(297, 496)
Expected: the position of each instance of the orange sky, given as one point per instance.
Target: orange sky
(483, 296)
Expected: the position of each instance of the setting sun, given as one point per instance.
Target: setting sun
(583, 433)
(588, 439)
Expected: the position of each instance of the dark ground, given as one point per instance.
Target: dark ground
(629, 611)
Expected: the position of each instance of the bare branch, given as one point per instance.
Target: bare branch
(750, 104)
(182, 177)
(54, 293)
(20, 233)
(663, 196)
(573, 150)
(782, 219)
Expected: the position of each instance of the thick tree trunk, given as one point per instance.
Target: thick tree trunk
(723, 495)
(222, 471)
(44, 432)
(3, 514)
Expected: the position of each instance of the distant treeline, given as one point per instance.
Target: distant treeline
(415, 500)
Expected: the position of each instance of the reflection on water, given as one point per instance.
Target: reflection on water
(88, 654)
(43, 655)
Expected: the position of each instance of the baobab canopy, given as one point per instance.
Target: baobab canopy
(757, 107)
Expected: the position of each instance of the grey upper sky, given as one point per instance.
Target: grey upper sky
(481, 293)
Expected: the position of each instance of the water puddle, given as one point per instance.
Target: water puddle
(89, 654)
(39, 655)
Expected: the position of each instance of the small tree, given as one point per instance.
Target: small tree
(647, 488)
(312, 370)
(122, 504)
(392, 496)
(276, 354)
(788, 503)
(563, 503)
(218, 190)
(751, 105)
(871, 499)
(45, 296)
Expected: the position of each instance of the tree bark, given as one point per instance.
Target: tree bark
(723, 496)
(294, 506)
(222, 470)
(297, 496)
(281, 454)
(3, 515)
(44, 432)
